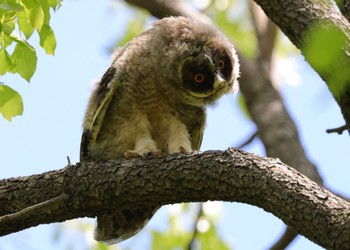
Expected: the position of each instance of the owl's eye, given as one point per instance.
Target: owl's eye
(199, 78)
(221, 64)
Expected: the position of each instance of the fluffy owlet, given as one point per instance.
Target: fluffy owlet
(152, 101)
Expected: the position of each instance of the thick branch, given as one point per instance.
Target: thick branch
(297, 18)
(164, 8)
(344, 7)
(231, 175)
(265, 31)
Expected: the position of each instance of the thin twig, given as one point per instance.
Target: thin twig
(249, 140)
(32, 210)
(338, 130)
(195, 231)
(288, 236)
(69, 162)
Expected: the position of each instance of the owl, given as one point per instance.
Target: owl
(152, 101)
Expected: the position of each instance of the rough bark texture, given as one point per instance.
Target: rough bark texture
(297, 19)
(344, 7)
(231, 175)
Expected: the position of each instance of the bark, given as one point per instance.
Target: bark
(87, 189)
(344, 7)
(298, 19)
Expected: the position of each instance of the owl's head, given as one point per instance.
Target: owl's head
(206, 62)
(208, 74)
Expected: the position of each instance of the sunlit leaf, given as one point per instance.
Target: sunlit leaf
(11, 6)
(54, 4)
(47, 39)
(134, 28)
(24, 60)
(46, 10)
(167, 240)
(34, 12)
(5, 62)
(7, 28)
(243, 105)
(324, 50)
(11, 103)
(323, 46)
(238, 31)
(211, 240)
(24, 25)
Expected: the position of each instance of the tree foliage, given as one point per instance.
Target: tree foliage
(19, 19)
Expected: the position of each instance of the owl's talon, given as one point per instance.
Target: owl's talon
(131, 154)
(134, 154)
(182, 150)
(153, 153)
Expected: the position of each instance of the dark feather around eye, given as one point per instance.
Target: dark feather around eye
(224, 66)
(221, 64)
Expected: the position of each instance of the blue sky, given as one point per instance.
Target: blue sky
(55, 102)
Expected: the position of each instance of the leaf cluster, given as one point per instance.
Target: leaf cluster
(19, 19)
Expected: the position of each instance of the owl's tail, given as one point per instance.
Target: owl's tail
(119, 225)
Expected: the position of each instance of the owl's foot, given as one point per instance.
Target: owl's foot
(183, 150)
(144, 154)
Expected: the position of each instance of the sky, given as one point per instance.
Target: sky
(56, 99)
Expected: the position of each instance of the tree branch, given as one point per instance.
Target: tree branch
(164, 8)
(231, 175)
(298, 19)
(344, 7)
(287, 237)
(265, 31)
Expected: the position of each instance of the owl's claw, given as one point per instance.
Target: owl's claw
(182, 150)
(135, 154)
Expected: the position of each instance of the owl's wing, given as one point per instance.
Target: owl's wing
(197, 130)
(97, 110)
(197, 137)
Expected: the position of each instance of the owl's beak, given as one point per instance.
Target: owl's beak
(219, 82)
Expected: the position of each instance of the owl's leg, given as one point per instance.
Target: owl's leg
(179, 138)
(144, 144)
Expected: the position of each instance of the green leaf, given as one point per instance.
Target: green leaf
(323, 46)
(7, 29)
(135, 27)
(24, 59)
(211, 240)
(24, 25)
(168, 240)
(55, 4)
(11, 7)
(47, 39)
(5, 62)
(35, 13)
(46, 9)
(11, 103)
(324, 50)
(243, 105)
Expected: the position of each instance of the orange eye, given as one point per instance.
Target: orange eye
(199, 78)
(221, 64)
